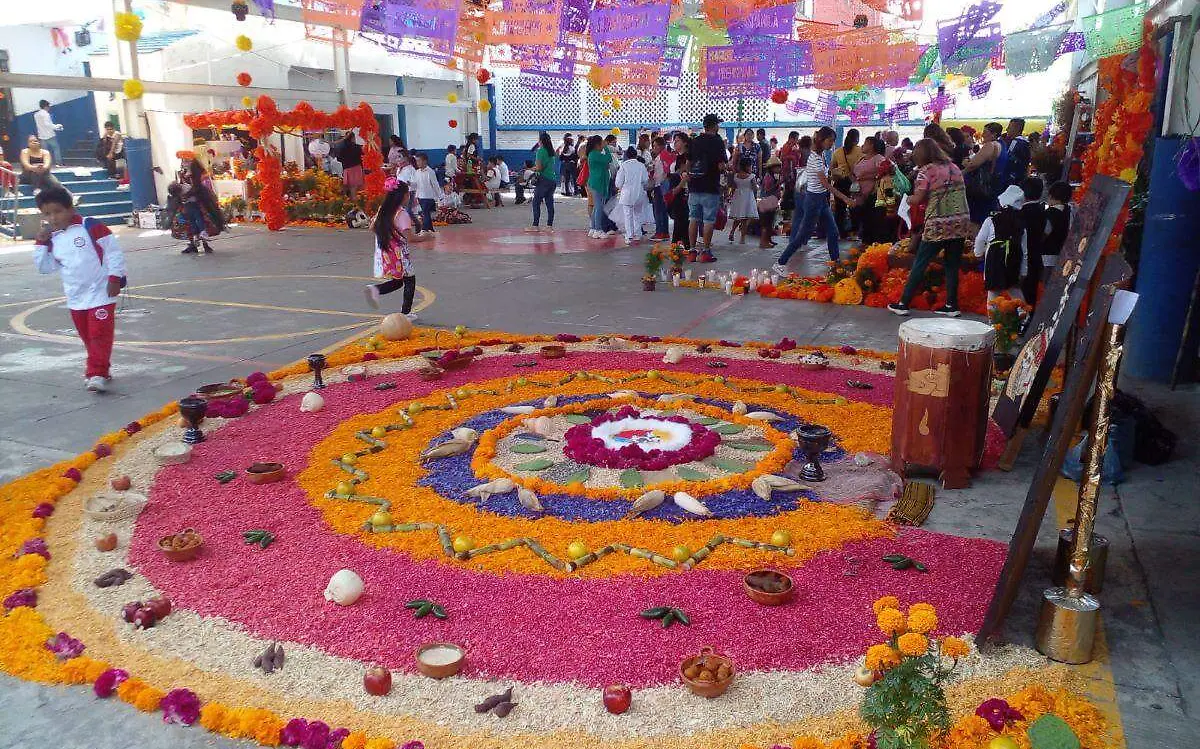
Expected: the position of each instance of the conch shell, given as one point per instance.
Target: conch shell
(541, 426)
(311, 402)
(466, 434)
(673, 355)
(646, 502)
(623, 394)
(767, 483)
(690, 504)
(344, 587)
(550, 402)
(739, 408)
(518, 410)
(447, 449)
(669, 397)
(499, 486)
(764, 416)
(529, 500)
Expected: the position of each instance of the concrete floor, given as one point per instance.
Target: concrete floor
(265, 299)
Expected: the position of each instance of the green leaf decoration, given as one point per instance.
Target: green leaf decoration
(691, 474)
(729, 429)
(631, 478)
(527, 448)
(1052, 732)
(539, 464)
(754, 447)
(708, 421)
(579, 477)
(729, 466)
(577, 419)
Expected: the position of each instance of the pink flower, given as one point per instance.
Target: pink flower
(180, 706)
(318, 736)
(998, 713)
(848, 350)
(34, 546)
(73, 474)
(413, 745)
(64, 646)
(133, 427)
(108, 682)
(44, 510)
(22, 597)
(294, 732)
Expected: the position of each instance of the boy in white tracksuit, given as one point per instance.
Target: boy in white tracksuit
(92, 266)
(632, 180)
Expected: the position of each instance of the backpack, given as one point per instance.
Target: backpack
(1002, 263)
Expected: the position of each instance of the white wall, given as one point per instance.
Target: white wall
(429, 127)
(31, 50)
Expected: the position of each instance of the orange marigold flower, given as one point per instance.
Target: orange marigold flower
(913, 644)
(887, 602)
(955, 647)
(921, 620)
(882, 657)
(890, 621)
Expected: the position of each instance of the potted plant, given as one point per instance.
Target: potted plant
(653, 263)
(1008, 317)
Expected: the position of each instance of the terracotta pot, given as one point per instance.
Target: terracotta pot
(265, 473)
(182, 546)
(437, 670)
(708, 688)
(753, 584)
(218, 391)
(553, 352)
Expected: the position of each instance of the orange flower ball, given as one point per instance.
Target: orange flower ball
(243, 79)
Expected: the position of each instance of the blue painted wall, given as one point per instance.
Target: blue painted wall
(77, 116)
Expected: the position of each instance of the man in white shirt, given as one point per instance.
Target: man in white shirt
(47, 130)
(424, 184)
(814, 179)
(505, 175)
(451, 166)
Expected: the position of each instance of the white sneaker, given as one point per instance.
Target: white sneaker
(412, 316)
(96, 384)
(371, 292)
(780, 270)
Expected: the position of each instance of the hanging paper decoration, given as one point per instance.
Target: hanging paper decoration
(940, 102)
(1035, 50)
(979, 87)
(243, 42)
(266, 7)
(483, 75)
(779, 96)
(1074, 41)
(730, 73)
(897, 112)
(333, 21)
(1114, 32)
(599, 77)
(453, 124)
(133, 88)
(127, 27)
(863, 57)
(525, 22)
(243, 79)
(967, 36)
(485, 106)
(1046, 18)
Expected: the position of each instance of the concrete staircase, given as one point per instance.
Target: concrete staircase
(95, 195)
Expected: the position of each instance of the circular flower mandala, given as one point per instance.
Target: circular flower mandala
(630, 439)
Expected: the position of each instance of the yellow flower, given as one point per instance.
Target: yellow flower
(882, 657)
(913, 644)
(955, 647)
(133, 88)
(887, 602)
(243, 43)
(890, 621)
(127, 27)
(921, 620)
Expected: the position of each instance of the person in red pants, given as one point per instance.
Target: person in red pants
(92, 266)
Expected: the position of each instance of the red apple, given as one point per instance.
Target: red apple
(160, 606)
(129, 610)
(378, 681)
(617, 698)
(122, 483)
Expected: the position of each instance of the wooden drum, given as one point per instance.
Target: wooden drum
(943, 379)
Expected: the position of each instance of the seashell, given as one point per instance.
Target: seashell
(465, 434)
(541, 426)
(646, 502)
(446, 450)
(615, 344)
(344, 587)
(764, 416)
(550, 402)
(669, 397)
(311, 402)
(518, 410)
(624, 394)
(862, 460)
(761, 488)
(782, 483)
(499, 486)
(739, 408)
(673, 355)
(529, 500)
(690, 504)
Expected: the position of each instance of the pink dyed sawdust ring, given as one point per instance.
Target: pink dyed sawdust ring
(529, 628)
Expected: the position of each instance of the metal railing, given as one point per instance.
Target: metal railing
(9, 200)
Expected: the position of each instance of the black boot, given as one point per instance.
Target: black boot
(207, 247)
(190, 249)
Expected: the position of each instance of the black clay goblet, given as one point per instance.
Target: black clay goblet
(813, 439)
(192, 409)
(316, 363)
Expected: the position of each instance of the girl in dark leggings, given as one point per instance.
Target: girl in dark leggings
(392, 228)
(676, 195)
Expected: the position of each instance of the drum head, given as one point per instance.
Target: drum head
(947, 333)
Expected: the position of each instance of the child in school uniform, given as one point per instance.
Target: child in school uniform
(524, 181)
(89, 259)
(393, 230)
(1058, 222)
(1002, 245)
(1033, 213)
(493, 180)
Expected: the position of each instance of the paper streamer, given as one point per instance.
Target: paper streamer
(1035, 50)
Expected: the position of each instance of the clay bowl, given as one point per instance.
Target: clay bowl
(430, 373)
(218, 391)
(265, 473)
(182, 546)
(355, 373)
(768, 587)
(172, 453)
(813, 365)
(709, 661)
(554, 352)
(439, 669)
(459, 362)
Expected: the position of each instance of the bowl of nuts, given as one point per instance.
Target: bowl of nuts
(182, 546)
(768, 587)
(707, 674)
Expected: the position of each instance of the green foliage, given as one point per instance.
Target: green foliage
(654, 262)
(907, 706)
(1051, 732)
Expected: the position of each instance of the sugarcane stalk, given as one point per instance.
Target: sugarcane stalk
(444, 537)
